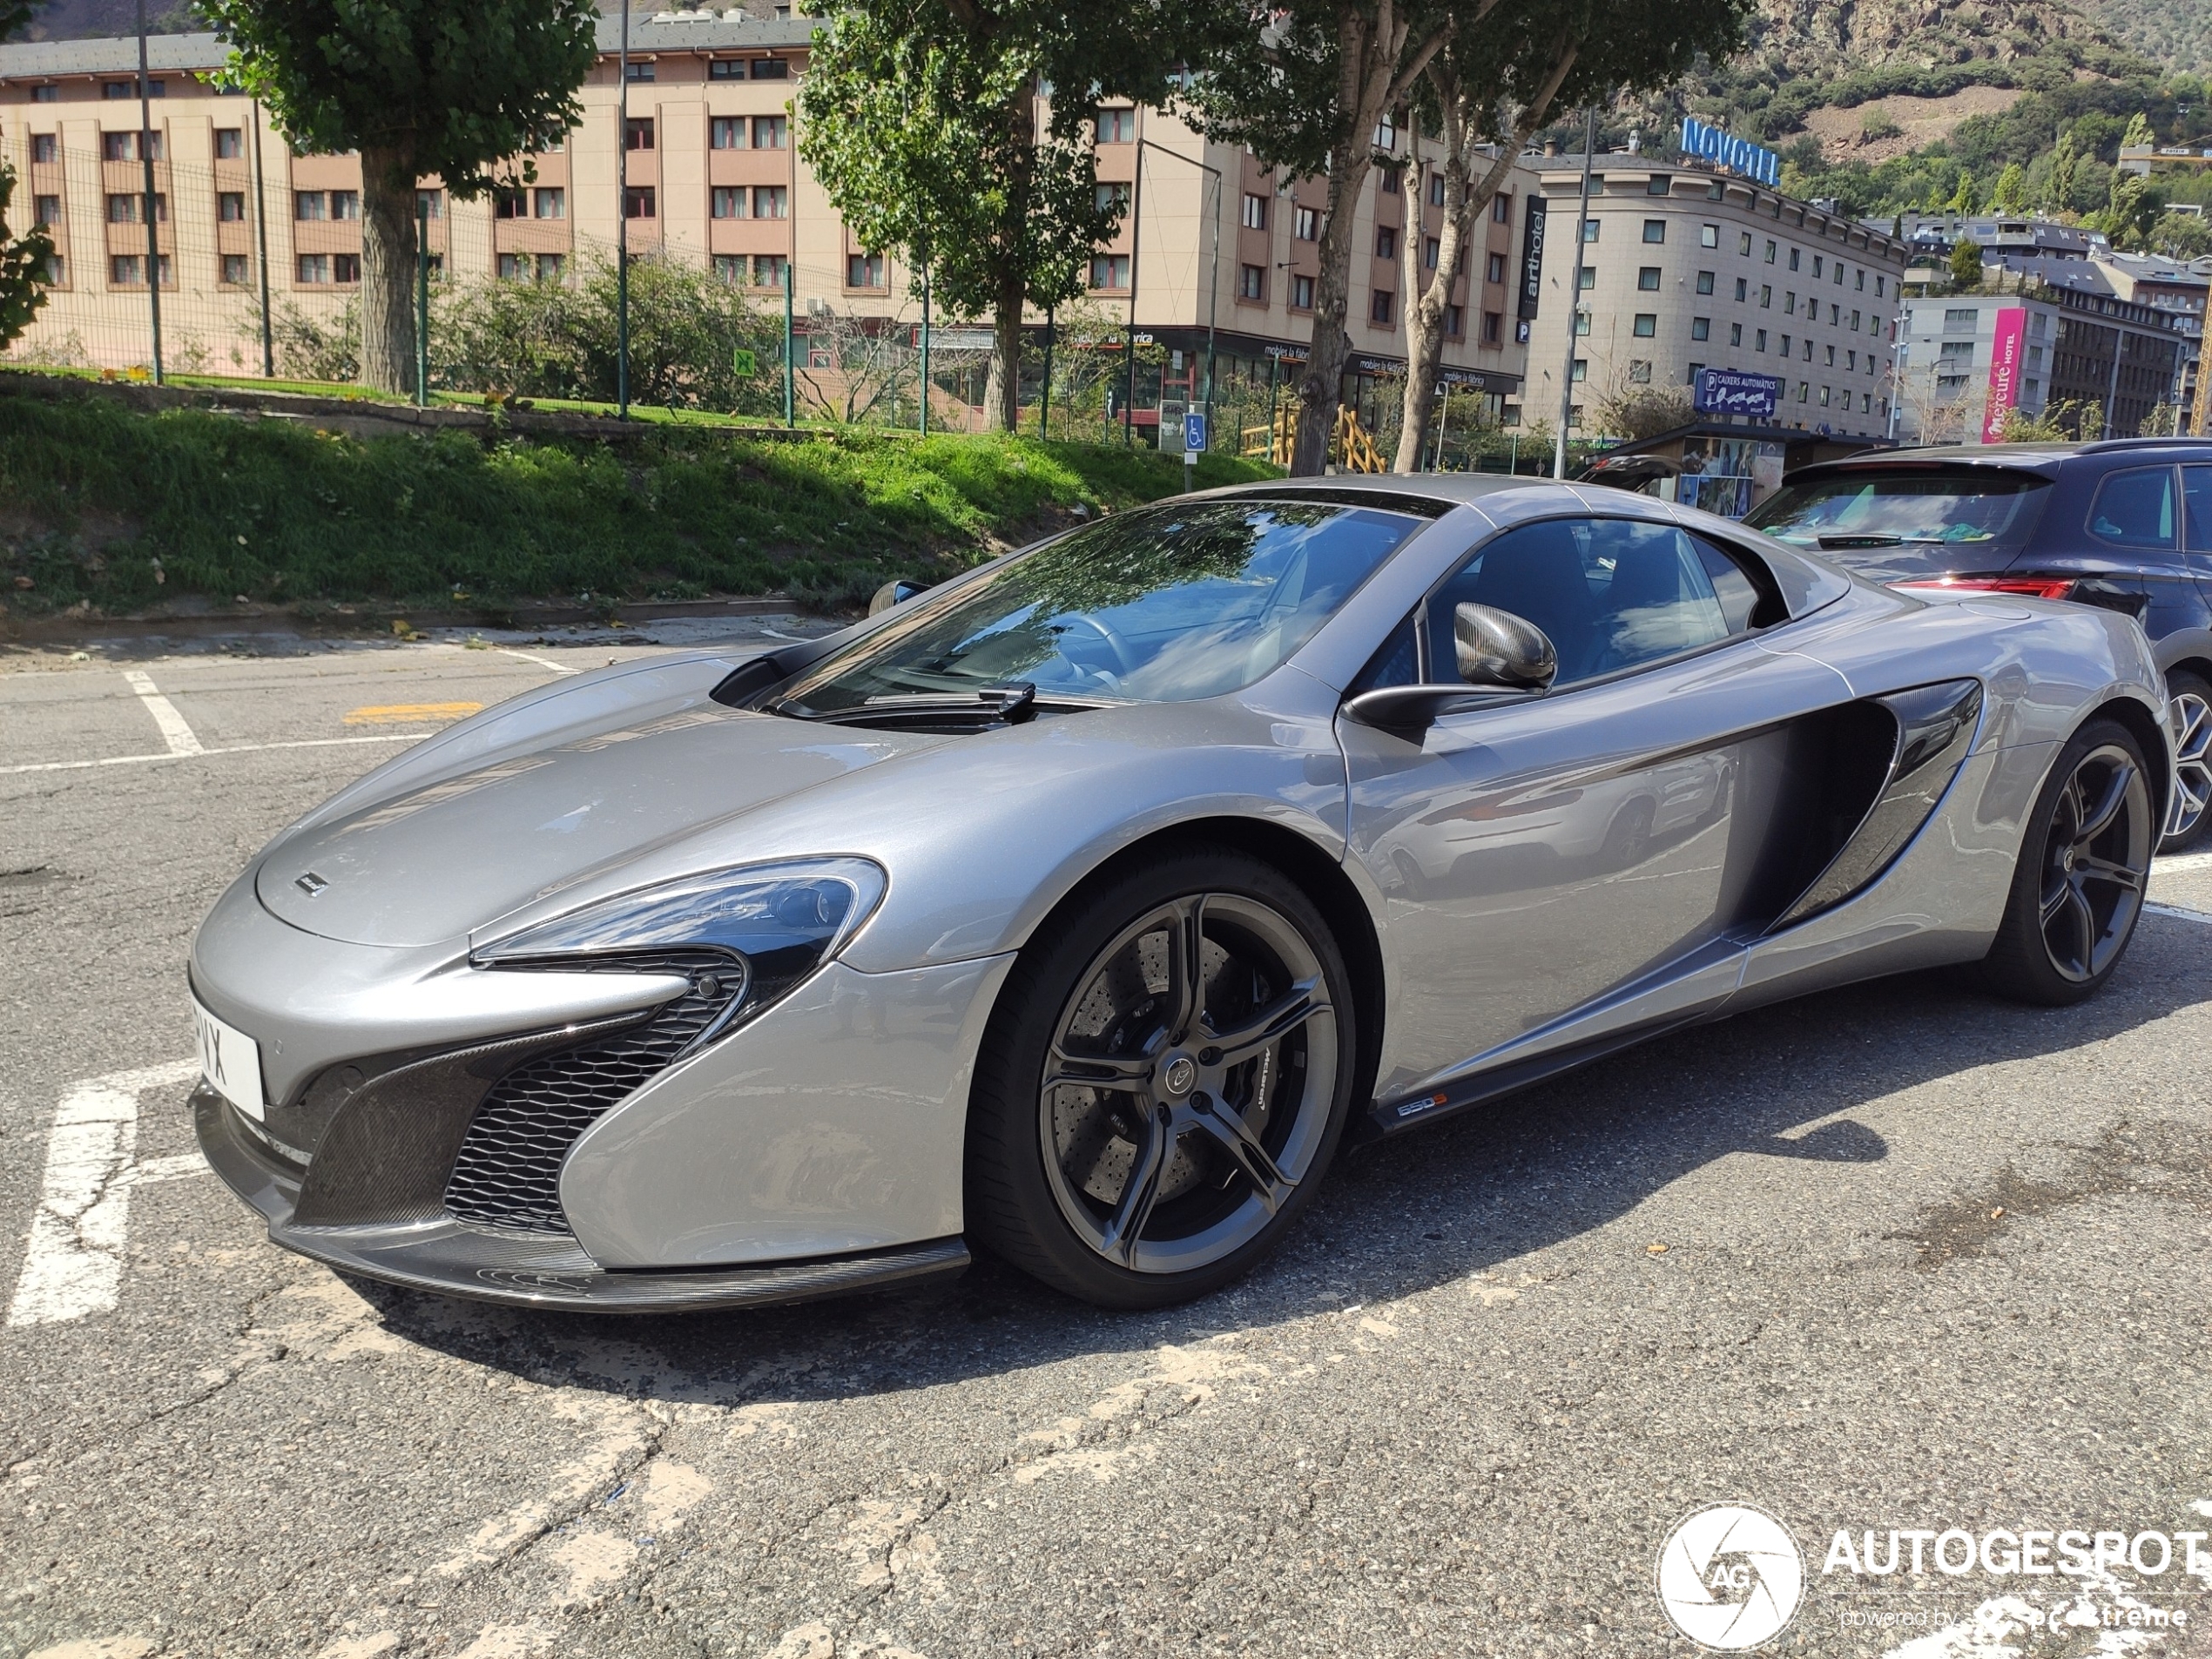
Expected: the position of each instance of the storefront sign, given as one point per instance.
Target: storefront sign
(1532, 258)
(2005, 352)
(1729, 391)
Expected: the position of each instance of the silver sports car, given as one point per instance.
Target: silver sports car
(1084, 905)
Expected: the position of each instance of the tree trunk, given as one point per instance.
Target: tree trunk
(1465, 201)
(1002, 391)
(388, 272)
(1002, 396)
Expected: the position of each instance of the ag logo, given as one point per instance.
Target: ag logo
(1730, 1577)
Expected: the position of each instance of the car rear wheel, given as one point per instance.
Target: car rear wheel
(1162, 1084)
(2188, 705)
(2078, 888)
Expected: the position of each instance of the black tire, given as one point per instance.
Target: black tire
(1053, 1173)
(1627, 835)
(2189, 704)
(2078, 887)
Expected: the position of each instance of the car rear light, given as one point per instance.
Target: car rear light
(2033, 587)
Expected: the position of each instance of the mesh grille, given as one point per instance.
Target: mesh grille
(509, 1171)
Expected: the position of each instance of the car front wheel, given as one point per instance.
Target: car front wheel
(1163, 1083)
(2189, 705)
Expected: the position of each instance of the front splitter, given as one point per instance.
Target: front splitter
(529, 1269)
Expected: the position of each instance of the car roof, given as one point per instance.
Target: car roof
(2042, 456)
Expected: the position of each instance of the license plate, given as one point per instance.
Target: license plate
(230, 1060)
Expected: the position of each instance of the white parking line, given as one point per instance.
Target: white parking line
(174, 732)
(537, 662)
(73, 1266)
(2181, 864)
(201, 754)
(2179, 912)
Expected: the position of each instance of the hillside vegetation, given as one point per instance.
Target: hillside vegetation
(115, 509)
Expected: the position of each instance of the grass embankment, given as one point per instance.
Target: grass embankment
(104, 506)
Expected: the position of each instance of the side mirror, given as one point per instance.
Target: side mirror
(893, 593)
(1494, 647)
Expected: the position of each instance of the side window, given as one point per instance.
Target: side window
(2134, 508)
(1609, 593)
(2196, 501)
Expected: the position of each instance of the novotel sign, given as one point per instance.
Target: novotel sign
(1748, 158)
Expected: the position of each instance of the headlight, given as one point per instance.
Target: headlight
(743, 937)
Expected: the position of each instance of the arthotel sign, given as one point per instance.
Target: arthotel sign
(2005, 352)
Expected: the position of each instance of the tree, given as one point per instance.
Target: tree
(1966, 266)
(1305, 84)
(2138, 135)
(22, 267)
(419, 87)
(1963, 199)
(2065, 159)
(1494, 84)
(921, 119)
(2011, 195)
(2182, 236)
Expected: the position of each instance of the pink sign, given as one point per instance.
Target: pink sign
(2004, 372)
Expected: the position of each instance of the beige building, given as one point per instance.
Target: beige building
(1211, 237)
(1685, 268)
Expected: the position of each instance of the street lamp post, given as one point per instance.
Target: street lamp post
(622, 222)
(1574, 299)
(146, 159)
(1213, 302)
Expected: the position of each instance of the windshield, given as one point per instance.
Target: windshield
(1164, 604)
(1975, 507)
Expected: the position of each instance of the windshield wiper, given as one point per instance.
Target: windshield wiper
(1012, 704)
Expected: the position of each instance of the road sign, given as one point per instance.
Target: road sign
(1728, 391)
(1194, 433)
(743, 362)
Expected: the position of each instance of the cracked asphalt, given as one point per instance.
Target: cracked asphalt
(1894, 1257)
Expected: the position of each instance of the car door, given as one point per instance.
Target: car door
(2196, 520)
(2138, 510)
(1541, 851)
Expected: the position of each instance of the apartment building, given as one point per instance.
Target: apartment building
(701, 166)
(1969, 358)
(1685, 269)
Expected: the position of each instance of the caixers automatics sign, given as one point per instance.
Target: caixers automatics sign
(2005, 353)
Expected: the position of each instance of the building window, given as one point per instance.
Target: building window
(127, 270)
(119, 89)
(1878, 294)
(1110, 272)
(1647, 325)
(551, 265)
(726, 69)
(1590, 227)
(1789, 303)
(552, 203)
(1825, 392)
(640, 69)
(1639, 371)
(726, 132)
(637, 132)
(1385, 242)
(729, 268)
(230, 206)
(1501, 210)
(46, 210)
(1743, 289)
(637, 202)
(1582, 322)
(1586, 279)
(1785, 345)
(1436, 190)
(772, 69)
(1493, 324)
(1704, 282)
(124, 209)
(45, 146)
(1117, 126)
(429, 204)
(1386, 133)
(1113, 200)
(1761, 344)
(1389, 180)
(1708, 236)
(1701, 327)
(771, 201)
(517, 267)
(1580, 371)
(1854, 322)
(1696, 369)
(1252, 282)
(1648, 278)
(1381, 306)
(729, 201)
(1766, 295)
(1859, 287)
(1255, 212)
(47, 94)
(1432, 250)
(768, 270)
(1794, 252)
(1655, 230)
(56, 267)
(1771, 250)
(1831, 357)
(345, 204)
(314, 268)
(1301, 293)
(230, 143)
(1455, 320)
(345, 268)
(1736, 333)
(1802, 389)
(771, 132)
(118, 146)
(1495, 271)
(864, 270)
(511, 204)
(1305, 224)
(310, 205)
(236, 272)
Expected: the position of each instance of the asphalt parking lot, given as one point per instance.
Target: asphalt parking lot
(1893, 1258)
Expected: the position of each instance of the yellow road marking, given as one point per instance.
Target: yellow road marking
(408, 713)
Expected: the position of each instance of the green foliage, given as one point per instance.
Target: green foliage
(101, 498)
(2182, 236)
(23, 265)
(2138, 135)
(1965, 265)
(441, 88)
(2011, 195)
(1874, 123)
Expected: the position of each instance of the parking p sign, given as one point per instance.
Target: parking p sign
(1194, 433)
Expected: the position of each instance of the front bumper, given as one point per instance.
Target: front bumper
(529, 1270)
